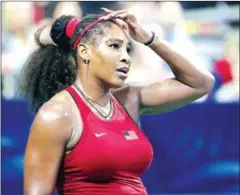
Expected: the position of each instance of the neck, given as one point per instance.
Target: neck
(93, 88)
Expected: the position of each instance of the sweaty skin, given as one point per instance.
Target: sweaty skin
(58, 126)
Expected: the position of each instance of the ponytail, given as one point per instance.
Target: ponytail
(49, 69)
(53, 66)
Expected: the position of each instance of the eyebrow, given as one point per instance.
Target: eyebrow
(117, 40)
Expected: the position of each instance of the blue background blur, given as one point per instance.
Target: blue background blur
(196, 148)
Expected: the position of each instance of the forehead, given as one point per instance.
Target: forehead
(115, 32)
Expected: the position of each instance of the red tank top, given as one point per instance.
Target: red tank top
(108, 158)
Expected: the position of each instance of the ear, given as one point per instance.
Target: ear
(83, 51)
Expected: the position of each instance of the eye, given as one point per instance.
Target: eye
(114, 46)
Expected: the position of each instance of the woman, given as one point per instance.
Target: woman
(83, 139)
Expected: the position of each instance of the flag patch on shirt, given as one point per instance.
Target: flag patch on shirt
(130, 135)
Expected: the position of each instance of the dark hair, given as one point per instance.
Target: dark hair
(51, 68)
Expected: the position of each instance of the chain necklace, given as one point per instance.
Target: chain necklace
(95, 105)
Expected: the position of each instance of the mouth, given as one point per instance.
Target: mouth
(122, 72)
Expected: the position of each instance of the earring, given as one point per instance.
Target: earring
(86, 61)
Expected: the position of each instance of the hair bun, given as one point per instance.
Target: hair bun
(58, 34)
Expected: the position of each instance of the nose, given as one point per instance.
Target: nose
(125, 58)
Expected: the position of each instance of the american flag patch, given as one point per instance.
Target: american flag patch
(130, 135)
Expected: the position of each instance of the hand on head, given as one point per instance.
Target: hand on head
(129, 23)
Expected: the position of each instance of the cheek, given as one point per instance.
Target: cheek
(108, 55)
(106, 61)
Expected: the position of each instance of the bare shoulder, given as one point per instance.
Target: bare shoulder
(58, 116)
(126, 93)
(57, 109)
(128, 97)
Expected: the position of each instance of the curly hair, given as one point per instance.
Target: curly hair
(53, 67)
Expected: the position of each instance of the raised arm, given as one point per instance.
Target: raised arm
(49, 134)
(189, 84)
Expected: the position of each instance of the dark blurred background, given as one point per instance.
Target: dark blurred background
(196, 148)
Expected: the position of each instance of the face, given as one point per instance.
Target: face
(110, 60)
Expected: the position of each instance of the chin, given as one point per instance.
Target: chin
(116, 83)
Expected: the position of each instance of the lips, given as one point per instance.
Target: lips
(124, 70)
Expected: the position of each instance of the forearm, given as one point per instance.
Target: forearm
(183, 70)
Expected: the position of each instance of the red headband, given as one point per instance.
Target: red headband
(71, 27)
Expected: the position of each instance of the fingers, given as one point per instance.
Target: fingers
(117, 14)
(122, 24)
(111, 11)
(107, 17)
(120, 14)
(112, 15)
(106, 10)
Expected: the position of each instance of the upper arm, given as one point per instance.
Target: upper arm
(168, 95)
(49, 134)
